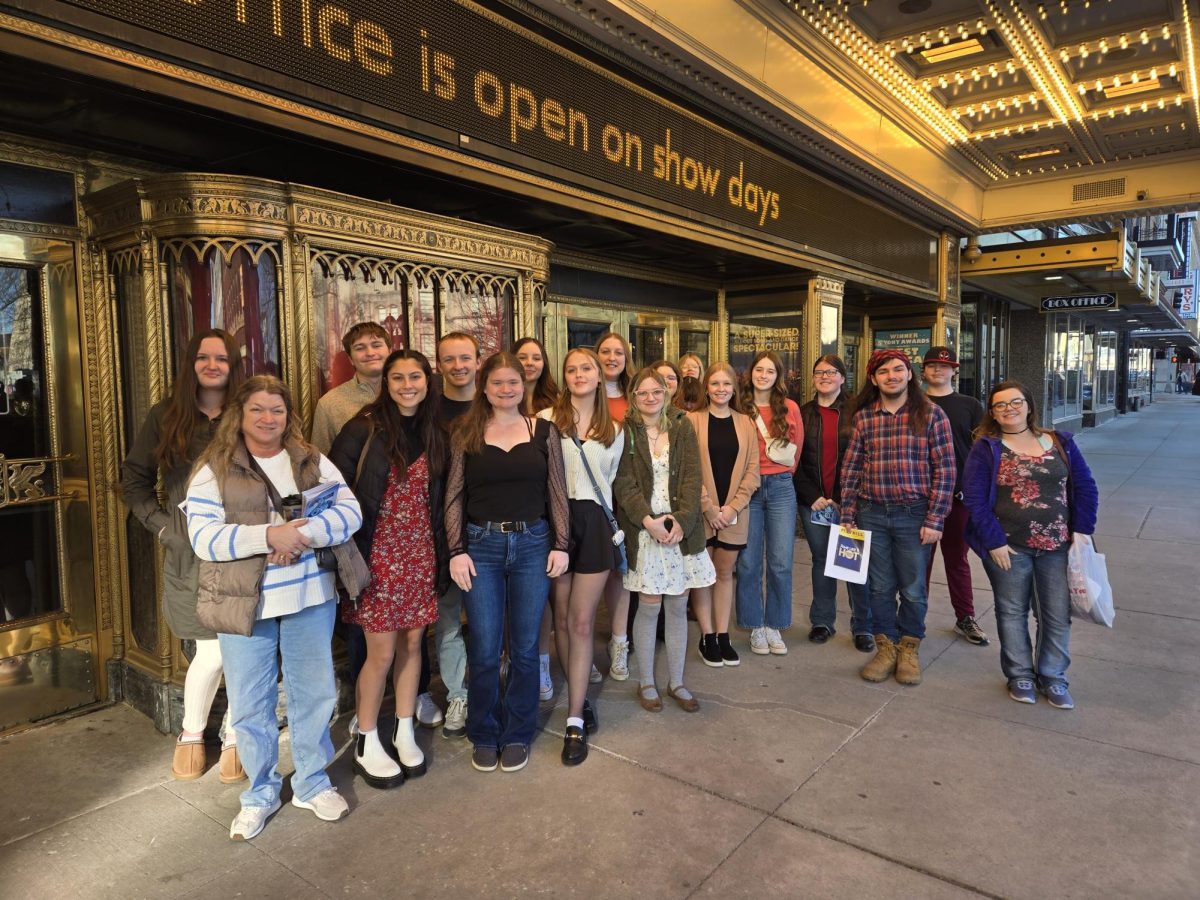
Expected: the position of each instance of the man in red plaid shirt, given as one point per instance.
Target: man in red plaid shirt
(898, 483)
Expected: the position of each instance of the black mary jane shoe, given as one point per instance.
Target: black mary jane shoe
(819, 634)
(575, 748)
(591, 724)
(864, 643)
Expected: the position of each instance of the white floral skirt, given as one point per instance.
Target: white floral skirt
(663, 569)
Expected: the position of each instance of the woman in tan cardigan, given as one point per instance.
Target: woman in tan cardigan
(729, 477)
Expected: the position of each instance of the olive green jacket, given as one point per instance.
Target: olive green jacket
(634, 484)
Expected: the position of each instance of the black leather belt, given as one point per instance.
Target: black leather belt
(502, 527)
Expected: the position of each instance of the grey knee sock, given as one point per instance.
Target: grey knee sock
(676, 633)
(645, 626)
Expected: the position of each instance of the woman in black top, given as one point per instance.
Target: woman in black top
(506, 478)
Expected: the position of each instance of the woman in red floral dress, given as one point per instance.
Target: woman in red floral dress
(393, 453)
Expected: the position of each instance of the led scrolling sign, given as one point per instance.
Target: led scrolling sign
(455, 66)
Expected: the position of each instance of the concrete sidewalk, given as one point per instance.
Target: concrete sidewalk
(796, 779)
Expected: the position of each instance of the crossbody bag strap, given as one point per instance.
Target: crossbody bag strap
(612, 521)
(272, 491)
(762, 427)
(362, 457)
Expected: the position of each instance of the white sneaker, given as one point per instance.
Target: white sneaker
(328, 805)
(428, 713)
(618, 652)
(546, 687)
(595, 677)
(758, 642)
(456, 718)
(251, 820)
(775, 642)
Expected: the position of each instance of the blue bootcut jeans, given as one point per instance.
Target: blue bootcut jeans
(898, 563)
(1037, 581)
(510, 580)
(824, 589)
(772, 530)
(302, 641)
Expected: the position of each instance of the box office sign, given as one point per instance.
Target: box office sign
(1079, 303)
(464, 69)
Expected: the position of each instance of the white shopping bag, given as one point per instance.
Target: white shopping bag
(1087, 578)
(849, 554)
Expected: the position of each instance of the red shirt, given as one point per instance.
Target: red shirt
(829, 448)
(617, 407)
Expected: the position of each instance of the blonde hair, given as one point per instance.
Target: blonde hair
(664, 420)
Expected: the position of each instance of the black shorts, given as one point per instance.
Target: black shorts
(715, 541)
(591, 539)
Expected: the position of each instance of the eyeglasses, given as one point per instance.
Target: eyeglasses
(826, 373)
(649, 395)
(1009, 404)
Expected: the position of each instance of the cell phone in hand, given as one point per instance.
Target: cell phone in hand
(668, 523)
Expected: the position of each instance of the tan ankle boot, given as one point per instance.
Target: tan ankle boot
(189, 761)
(231, 765)
(883, 664)
(908, 663)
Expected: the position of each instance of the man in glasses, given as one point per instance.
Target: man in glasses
(965, 413)
(897, 483)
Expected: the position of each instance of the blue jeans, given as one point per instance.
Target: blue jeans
(1037, 581)
(898, 563)
(510, 578)
(452, 650)
(772, 527)
(824, 589)
(302, 641)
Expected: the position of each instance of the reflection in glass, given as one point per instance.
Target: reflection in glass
(485, 312)
(647, 344)
(829, 328)
(344, 294)
(694, 342)
(237, 293)
(29, 574)
(585, 334)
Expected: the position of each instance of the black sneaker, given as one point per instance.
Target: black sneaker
(710, 651)
(514, 757)
(969, 628)
(484, 759)
(575, 748)
(729, 656)
(591, 724)
(864, 643)
(820, 634)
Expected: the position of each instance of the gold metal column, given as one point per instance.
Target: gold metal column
(949, 312)
(822, 323)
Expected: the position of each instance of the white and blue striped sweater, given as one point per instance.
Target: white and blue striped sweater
(285, 589)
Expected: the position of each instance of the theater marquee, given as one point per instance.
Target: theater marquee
(493, 89)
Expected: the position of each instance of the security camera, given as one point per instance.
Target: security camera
(1142, 196)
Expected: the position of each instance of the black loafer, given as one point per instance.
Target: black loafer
(575, 748)
(591, 724)
(864, 643)
(819, 634)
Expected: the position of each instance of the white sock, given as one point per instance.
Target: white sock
(544, 660)
(374, 758)
(405, 744)
(574, 720)
(618, 638)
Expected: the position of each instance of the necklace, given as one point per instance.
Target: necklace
(1022, 431)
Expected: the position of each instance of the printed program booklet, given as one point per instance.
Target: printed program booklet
(849, 554)
(319, 498)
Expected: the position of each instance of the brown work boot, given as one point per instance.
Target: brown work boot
(883, 664)
(908, 663)
(189, 761)
(231, 771)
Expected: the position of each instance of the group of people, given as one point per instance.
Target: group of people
(519, 500)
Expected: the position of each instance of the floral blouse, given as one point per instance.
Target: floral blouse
(1031, 499)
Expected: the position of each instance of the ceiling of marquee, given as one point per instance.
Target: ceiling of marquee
(1022, 87)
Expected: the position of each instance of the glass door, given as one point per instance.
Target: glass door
(47, 599)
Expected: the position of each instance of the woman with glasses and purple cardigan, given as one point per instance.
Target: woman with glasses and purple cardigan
(1029, 494)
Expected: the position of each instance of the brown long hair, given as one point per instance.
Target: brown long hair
(218, 456)
(625, 379)
(545, 391)
(780, 428)
(469, 427)
(690, 396)
(989, 427)
(846, 419)
(386, 416)
(602, 428)
(919, 406)
(179, 420)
